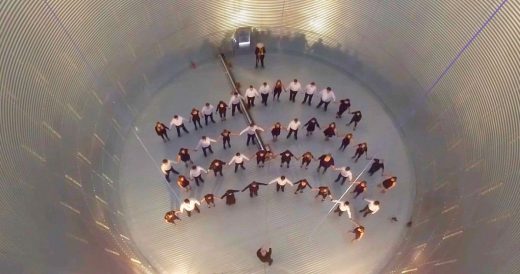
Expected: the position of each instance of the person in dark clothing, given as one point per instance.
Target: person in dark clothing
(264, 255)
(356, 117)
(276, 130)
(324, 191)
(217, 165)
(286, 157)
(377, 165)
(222, 110)
(184, 156)
(345, 141)
(388, 184)
(230, 196)
(302, 184)
(326, 161)
(226, 137)
(183, 183)
(330, 131)
(253, 188)
(261, 156)
(311, 126)
(260, 54)
(160, 129)
(209, 199)
(195, 117)
(358, 233)
(344, 105)
(171, 216)
(359, 188)
(360, 150)
(307, 157)
(277, 90)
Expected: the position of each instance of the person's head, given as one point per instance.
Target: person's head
(376, 160)
(184, 151)
(363, 144)
(193, 167)
(235, 93)
(376, 202)
(347, 203)
(186, 200)
(265, 83)
(252, 125)
(158, 123)
(363, 183)
(207, 104)
(250, 86)
(295, 119)
(347, 168)
(193, 109)
(253, 184)
(329, 89)
(314, 120)
(304, 182)
(312, 83)
(175, 116)
(394, 178)
(237, 154)
(165, 161)
(332, 125)
(278, 82)
(342, 101)
(362, 228)
(295, 80)
(217, 163)
(282, 177)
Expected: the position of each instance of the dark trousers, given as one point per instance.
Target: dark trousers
(292, 95)
(260, 58)
(253, 192)
(264, 98)
(299, 188)
(283, 161)
(258, 161)
(179, 129)
(343, 179)
(235, 106)
(215, 171)
(305, 98)
(164, 134)
(278, 187)
(355, 121)
(222, 114)
(167, 175)
(207, 148)
(357, 156)
(343, 145)
(337, 210)
(237, 165)
(250, 101)
(323, 196)
(323, 102)
(291, 131)
(198, 179)
(251, 137)
(306, 163)
(366, 211)
(276, 94)
(340, 112)
(196, 209)
(206, 118)
(357, 193)
(226, 140)
(324, 168)
(195, 122)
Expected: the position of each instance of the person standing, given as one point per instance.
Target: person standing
(356, 118)
(184, 156)
(377, 164)
(277, 90)
(251, 94)
(166, 168)
(207, 111)
(264, 90)
(324, 191)
(359, 188)
(388, 183)
(234, 101)
(327, 96)
(343, 206)
(196, 173)
(310, 89)
(205, 144)
(311, 125)
(217, 166)
(302, 184)
(160, 129)
(261, 155)
(183, 183)
(307, 157)
(294, 88)
(222, 110)
(189, 205)
(276, 130)
(230, 196)
(253, 188)
(195, 117)
(344, 174)
(293, 127)
(371, 208)
(226, 137)
(360, 150)
(345, 141)
(251, 130)
(171, 216)
(264, 255)
(358, 233)
(330, 131)
(280, 183)
(286, 157)
(260, 54)
(209, 199)
(238, 159)
(326, 161)
(178, 122)
(344, 105)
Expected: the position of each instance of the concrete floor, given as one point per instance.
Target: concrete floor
(224, 239)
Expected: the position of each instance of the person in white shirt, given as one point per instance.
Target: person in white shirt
(189, 205)
(309, 92)
(371, 208)
(235, 103)
(196, 173)
(264, 90)
(238, 159)
(293, 127)
(344, 174)
(166, 168)
(342, 207)
(280, 183)
(294, 87)
(178, 122)
(327, 96)
(207, 110)
(205, 143)
(251, 93)
(251, 130)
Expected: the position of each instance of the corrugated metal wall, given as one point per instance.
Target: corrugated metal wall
(74, 75)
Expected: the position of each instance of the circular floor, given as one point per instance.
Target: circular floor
(224, 239)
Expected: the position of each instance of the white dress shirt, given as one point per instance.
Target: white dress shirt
(251, 92)
(189, 206)
(205, 142)
(166, 166)
(294, 125)
(373, 207)
(235, 99)
(343, 207)
(207, 110)
(238, 159)
(295, 86)
(251, 130)
(345, 173)
(281, 182)
(264, 89)
(310, 89)
(177, 122)
(197, 171)
(328, 96)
